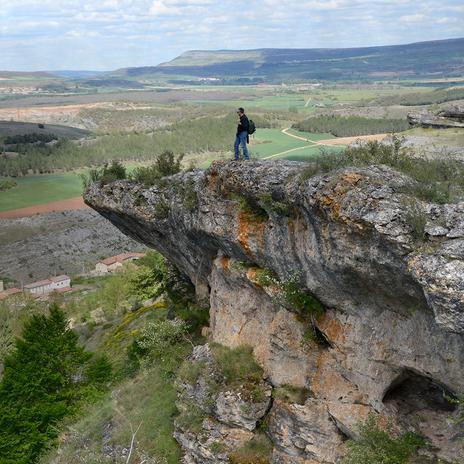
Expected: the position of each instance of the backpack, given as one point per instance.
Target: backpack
(251, 127)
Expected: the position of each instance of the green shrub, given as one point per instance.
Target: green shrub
(157, 337)
(256, 451)
(251, 209)
(302, 301)
(146, 282)
(6, 184)
(278, 207)
(196, 317)
(191, 418)
(165, 164)
(237, 365)
(380, 446)
(291, 394)
(190, 199)
(437, 180)
(190, 372)
(162, 209)
(99, 371)
(417, 219)
(105, 175)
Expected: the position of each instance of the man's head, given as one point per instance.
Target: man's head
(241, 111)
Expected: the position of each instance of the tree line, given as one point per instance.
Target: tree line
(350, 126)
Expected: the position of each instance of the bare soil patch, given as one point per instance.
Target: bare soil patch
(348, 140)
(71, 204)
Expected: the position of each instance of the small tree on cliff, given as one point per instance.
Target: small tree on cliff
(44, 377)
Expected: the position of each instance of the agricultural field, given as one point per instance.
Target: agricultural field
(273, 143)
(308, 101)
(35, 190)
(199, 121)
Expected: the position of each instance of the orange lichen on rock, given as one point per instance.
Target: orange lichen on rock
(249, 229)
(252, 275)
(333, 200)
(225, 263)
(332, 328)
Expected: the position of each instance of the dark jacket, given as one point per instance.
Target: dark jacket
(244, 125)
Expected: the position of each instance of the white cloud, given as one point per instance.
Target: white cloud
(446, 20)
(159, 7)
(412, 18)
(40, 33)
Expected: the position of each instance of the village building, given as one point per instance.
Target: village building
(114, 263)
(44, 287)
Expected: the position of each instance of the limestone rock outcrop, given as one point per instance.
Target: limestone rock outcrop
(450, 116)
(391, 339)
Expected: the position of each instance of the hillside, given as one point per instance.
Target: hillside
(424, 59)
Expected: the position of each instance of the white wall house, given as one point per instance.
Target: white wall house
(115, 262)
(43, 287)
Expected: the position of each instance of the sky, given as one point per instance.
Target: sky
(111, 34)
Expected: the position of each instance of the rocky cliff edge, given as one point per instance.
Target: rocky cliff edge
(388, 271)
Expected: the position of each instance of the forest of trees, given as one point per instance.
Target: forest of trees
(350, 126)
(202, 134)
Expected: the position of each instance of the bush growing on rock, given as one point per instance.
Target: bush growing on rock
(237, 364)
(105, 175)
(166, 164)
(256, 451)
(437, 180)
(376, 445)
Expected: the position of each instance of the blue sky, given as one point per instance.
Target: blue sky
(109, 34)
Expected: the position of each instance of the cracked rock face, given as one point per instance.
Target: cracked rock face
(394, 308)
(229, 415)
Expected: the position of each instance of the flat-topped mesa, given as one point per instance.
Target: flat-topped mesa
(347, 234)
(391, 337)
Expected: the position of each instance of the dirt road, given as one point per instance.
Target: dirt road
(338, 140)
(63, 205)
(325, 143)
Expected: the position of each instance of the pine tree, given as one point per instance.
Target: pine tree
(42, 381)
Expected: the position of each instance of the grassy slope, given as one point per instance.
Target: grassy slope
(35, 190)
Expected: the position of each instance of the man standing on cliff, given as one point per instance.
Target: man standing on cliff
(242, 135)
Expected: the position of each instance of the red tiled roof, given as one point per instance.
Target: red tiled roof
(120, 258)
(40, 283)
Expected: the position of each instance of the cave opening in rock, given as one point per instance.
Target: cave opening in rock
(412, 392)
(321, 338)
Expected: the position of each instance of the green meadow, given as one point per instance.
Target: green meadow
(268, 143)
(35, 190)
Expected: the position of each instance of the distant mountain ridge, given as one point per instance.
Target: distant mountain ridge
(438, 58)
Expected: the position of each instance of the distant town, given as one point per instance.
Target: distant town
(62, 283)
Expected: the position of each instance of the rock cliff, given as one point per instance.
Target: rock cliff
(387, 336)
(450, 116)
